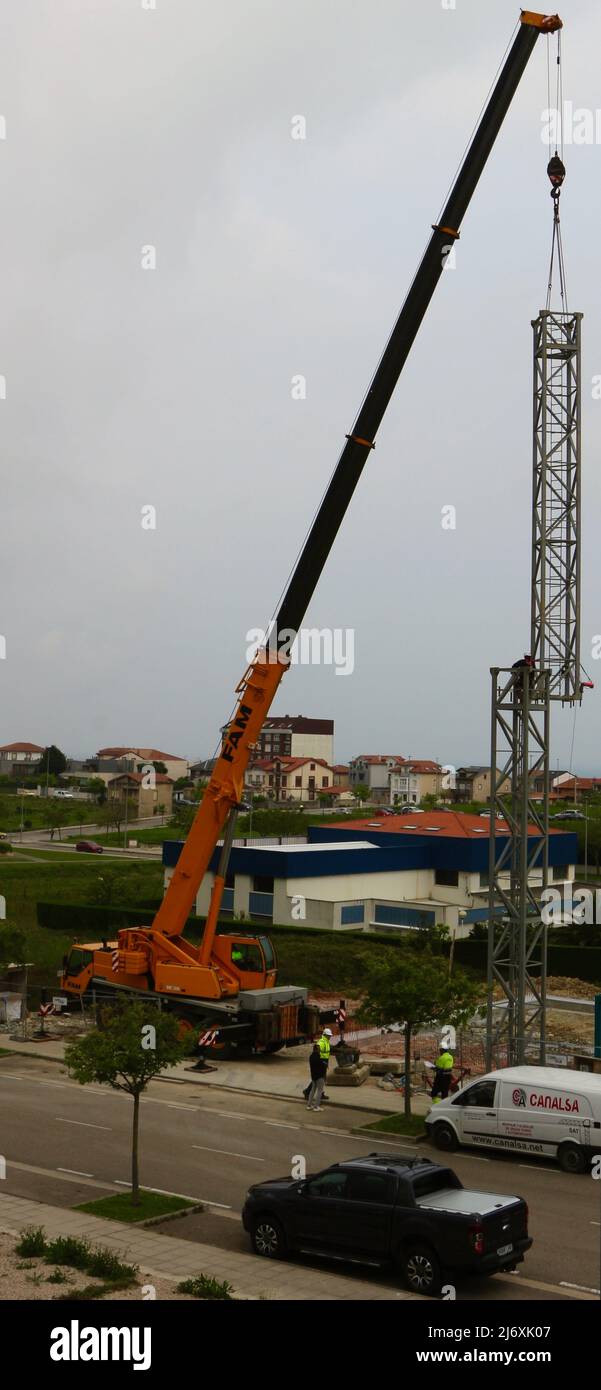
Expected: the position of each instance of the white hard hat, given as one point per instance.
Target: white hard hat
(327, 1032)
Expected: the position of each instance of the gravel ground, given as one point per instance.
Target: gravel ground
(26, 1279)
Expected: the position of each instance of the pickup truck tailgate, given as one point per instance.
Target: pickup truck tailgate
(504, 1220)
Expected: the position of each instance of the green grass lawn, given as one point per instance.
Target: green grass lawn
(34, 812)
(119, 1207)
(76, 879)
(155, 835)
(397, 1124)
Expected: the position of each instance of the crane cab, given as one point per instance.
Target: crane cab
(251, 959)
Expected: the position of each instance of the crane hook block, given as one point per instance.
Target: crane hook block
(556, 172)
(547, 23)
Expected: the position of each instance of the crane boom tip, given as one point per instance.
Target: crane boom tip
(547, 23)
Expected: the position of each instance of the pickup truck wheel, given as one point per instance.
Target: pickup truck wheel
(571, 1158)
(268, 1239)
(421, 1269)
(444, 1136)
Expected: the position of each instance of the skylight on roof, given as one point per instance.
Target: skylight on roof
(432, 827)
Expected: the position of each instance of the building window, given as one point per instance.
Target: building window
(560, 871)
(298, 781)
(354, 913)
(284, 781)
(388, 915)
(325, 782)
(449, 878)
(262, 883)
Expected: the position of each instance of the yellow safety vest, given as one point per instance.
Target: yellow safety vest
(324, 1049)
(444, 1062)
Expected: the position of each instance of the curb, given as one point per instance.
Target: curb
(234, 1090)
(382, 1137)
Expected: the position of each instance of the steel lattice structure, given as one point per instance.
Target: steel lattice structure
(555, 609)
(518, 861)
(522, 698)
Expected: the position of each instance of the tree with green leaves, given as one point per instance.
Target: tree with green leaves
(361, 792)
(415, 989)
(135, 1043)
(52, 762)
(56, 814)
(12, 945)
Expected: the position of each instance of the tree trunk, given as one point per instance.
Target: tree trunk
(407, 1069)
(135, 1181)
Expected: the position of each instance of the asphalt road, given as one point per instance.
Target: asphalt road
(65, 1144)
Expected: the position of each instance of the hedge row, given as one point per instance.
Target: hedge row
(100, 922)
(575, 962)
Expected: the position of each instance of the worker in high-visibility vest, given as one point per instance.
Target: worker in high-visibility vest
(442, 1077)
(323, 1045)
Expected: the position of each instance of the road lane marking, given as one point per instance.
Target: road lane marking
(77, 1173)
(280, 1124)
(56, 1175)
(86, 1124)
(174, 1105)
(538, 1167)
(229, 1153)
(568, 1290)
(184, 1195)
(582, 1288)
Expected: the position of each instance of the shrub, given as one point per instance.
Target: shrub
(33, 1241)
(204, 1287)
(68, 1250)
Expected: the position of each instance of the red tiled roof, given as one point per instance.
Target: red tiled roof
(21, 748)
(449, 824)
(378, 758)
(420, 765)
(139, 777)
(154, 754)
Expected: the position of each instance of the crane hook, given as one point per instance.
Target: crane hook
(556, 171)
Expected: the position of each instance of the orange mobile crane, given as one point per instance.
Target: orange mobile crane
(229, 980)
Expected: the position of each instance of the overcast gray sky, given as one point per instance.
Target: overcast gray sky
(125, 387)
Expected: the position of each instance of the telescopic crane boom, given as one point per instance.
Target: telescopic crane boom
(158, 959)
(259, 684)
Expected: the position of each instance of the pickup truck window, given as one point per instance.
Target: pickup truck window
(372, 1187)
(440, 1181)
(330, 1185)
(481, 1095)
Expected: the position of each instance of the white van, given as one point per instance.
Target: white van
(534, 1110)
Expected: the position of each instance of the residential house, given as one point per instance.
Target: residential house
(19, 759)
(143, 800)
(296, 736)
(290, 779)
(412, 780)
(372, 770)
(133, 759)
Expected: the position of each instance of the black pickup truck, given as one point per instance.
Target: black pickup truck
(382, 1209)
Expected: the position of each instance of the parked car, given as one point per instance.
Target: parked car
(568, 815)
(383, 1209)
(89, 847)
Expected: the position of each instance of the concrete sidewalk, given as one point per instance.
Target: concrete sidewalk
(281, 1076)
(171, 1258)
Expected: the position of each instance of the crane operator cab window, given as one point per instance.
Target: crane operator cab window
(246, 955)
(76, 961)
